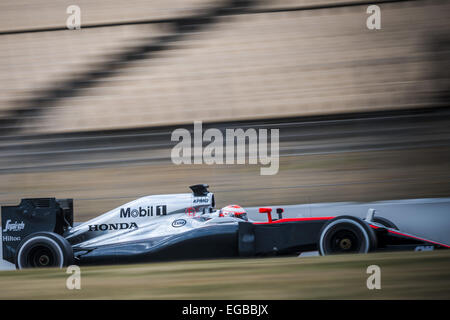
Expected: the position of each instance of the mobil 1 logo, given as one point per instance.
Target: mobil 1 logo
(149, 211)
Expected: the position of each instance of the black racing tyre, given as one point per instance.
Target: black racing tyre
(385, 222)
(43, 249)
(346, 234)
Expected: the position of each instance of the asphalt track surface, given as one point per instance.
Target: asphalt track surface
(427, 218)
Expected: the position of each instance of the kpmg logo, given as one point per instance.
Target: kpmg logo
(201, 200)
(16, 226)
(150, 211)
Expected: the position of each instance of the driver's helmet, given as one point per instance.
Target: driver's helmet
(233, 211)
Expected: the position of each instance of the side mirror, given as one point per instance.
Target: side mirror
(269, 213)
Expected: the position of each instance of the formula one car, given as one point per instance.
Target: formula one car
(41, 232)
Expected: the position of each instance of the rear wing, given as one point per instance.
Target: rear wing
(33, 215)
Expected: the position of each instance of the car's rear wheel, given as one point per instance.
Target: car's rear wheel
(43, 250)
(346, 234)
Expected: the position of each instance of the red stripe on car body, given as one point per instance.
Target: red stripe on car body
(295, 219)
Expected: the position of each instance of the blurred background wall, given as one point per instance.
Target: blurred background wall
(70, 98)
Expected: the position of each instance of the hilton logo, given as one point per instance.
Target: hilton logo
(10, 238)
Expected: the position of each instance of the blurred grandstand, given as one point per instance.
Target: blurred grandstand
(88, 113)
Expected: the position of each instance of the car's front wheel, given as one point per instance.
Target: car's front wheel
(346, 234)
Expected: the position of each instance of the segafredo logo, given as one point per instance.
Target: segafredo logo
(112, 226)
(16, 226)
(143, 212)
(178, 223)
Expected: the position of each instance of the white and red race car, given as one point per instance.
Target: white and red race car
(41, 233)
